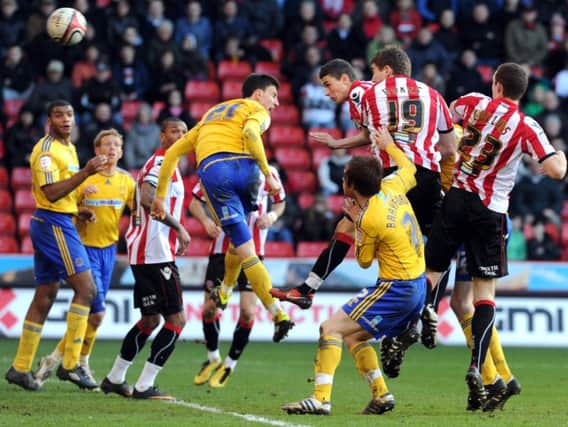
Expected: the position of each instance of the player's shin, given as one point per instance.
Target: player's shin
(76, 326)
(481, 328)
(367, 364)
(232, 271)
(260, 282)
(496, 351)
(27, 346)
(328, 357)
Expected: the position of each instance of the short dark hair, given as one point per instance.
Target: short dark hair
(394, 57)
(57, 103)
(513, 78)
(258, 81)
(171, 119)
(364, 173)
(336, 68)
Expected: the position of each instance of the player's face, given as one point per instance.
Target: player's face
(173, 132)
(62, 120)
(110, 146)
(378, 74)
(336, 89)
(268, 98)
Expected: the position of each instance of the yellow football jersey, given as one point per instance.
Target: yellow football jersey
(112, 194)
(53, 161)
(388, 229)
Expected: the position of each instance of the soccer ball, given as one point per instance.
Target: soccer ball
(66, 26)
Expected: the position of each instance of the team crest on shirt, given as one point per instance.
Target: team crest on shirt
(45, 162)
(166, 272)
(356, 96)
(79, 262)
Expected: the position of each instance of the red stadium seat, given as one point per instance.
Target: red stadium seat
(274, 46)
(286, 115)
(286, 135)
(24, 220)
(7, 224)
(2, 150)
(233, 70)
(198, 109)
(195, 228)
(199, 247)
(318, 155)
(129, 110)
(563, 234)
(285, 94)
(156, 108)
(231, 89)
(265, 67)
(207, 91)
(24, 201)
(4, 181)
(335, 203)
(293, 158)
(27, 246)
(334, 132)
(21, 178)
(564, 210)
(8, 245)
(12, 109)
(301, 181)
(278, 250)
(5, 201)
(310, 249)
(305, 200)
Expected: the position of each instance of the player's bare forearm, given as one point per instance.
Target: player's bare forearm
(147, 194)
(57, 190)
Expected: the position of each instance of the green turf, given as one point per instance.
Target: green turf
(430, 391)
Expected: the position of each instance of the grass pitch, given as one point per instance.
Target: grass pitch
(429, 392)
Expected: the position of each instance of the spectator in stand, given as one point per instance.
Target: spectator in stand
(526, 39)
(510, 10)
(131, 36)
(552, 125)
(130, 74)
(35, 23)
(430, 75)
(11, 25)
(535, 99)
(315, 223)
(196, 25)
(21, 138)
(551, 105)
(317, 109)
(163, 41)
(464, 77)
(296, 54)
(330, 172)
(433, 10)
(233, 50)
(385, 37)
(166, 77)
(230, 24)
(426, 49)
(152, 20)
(517, 243)
(333, 9)
(100, 89)
(406, 21)
(54, 87)
(264, 17)
(482, 35)
(307, 16)
(16, 78)
(371, 22)
(193, 63)
(142, 139)
(86, 68)
(537, 197)
(557, 32)
(346, 41)
(541, 246)
(102, 119)
(174, 108)
(304, 70)
(121, 16)
(96, 19)
(448, 36)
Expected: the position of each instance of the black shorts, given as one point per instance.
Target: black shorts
(216, 270)
(465, 219)
(157, 288)
(425, 198)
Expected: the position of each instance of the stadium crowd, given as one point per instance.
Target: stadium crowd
(144, 60)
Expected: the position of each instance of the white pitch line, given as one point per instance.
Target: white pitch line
(248, 417)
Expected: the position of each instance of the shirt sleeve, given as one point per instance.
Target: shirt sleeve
(364, 242)
(198, 192)
(465, 102)
(445, 122)
(536, 143)
(404, 178)
(262, 117)
(45, 169)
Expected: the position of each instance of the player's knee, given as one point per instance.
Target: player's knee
(95, 319)
(209, 312)
(327, 328)
(246, 315)
(178, 320)
(460, 307)
(150, 322)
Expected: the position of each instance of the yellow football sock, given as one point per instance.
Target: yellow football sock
(27, 346)
(61, 344)
(89, 340)
(232, 269)
(488, 369)
(328, 357)
(76, 326)
(498, 356)
(367, 363)
(259, 280)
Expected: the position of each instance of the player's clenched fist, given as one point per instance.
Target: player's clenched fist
(157, 210)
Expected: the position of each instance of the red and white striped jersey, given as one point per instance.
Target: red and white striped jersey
(496, 135)
(221, 243)
(355, 97)
(150, 241)
(414, 114)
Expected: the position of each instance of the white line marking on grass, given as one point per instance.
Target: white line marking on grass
(248, 417)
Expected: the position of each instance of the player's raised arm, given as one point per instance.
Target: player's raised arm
(253, 143)
(358, 140)
(406, 169)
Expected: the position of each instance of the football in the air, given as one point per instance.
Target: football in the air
(66, 26)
